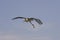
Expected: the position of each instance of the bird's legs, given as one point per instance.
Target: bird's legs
(32, 25)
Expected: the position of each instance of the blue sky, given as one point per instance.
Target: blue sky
(46, 10)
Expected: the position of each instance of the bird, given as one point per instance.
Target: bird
(29, 20)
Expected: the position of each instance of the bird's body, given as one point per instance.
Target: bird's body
(26, 20)
(29, 20)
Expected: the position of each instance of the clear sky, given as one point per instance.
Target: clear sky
(48, 11)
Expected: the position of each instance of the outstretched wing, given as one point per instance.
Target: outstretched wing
(37, 20)
(18, 18)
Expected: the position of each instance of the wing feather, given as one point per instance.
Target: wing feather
(18, 18)
(37, 20)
